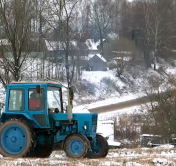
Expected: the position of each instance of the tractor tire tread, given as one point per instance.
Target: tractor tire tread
(28, 129)
(105, 146)
(86, 143)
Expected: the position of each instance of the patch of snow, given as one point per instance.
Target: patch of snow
(96, 76)
(56, 45)
(112, 114)
(98, 42)
(133, 164)
(115, 100)
(150, 135)
(173, 50)
(59, 156)
(4, 42)
(109, 163)
(165, 146)
(120, 58)
(128, 157)
(53, 45)
(80, 109)
(113, 36)
(145, 148)
(171, 71)
(122, 52)
(162, 162)
(91, 44)
(113, 143)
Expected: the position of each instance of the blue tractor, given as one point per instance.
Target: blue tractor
(26, 131)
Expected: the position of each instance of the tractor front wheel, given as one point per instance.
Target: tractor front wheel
(100, 149)
(16, 138)
(76, 146)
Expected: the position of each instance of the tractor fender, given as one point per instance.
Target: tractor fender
(5, 117)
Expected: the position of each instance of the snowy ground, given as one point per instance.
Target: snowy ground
(127, 157)
(131, 110)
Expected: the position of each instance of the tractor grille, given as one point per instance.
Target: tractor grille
(94, 128)
(94, 119)
(94, 123)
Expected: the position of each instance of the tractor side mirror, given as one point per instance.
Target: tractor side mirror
(38, 89)
(56, 110)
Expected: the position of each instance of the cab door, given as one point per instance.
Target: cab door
(37, 107)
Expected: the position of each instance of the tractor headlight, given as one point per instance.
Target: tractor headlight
(53, 111)
(84, 127)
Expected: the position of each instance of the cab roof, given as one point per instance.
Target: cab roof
(34, 83)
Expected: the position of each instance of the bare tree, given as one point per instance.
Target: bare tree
(15, 19)
(102, 14)
(119, 53)
(151, 23)
(61, 20)
(153, 28)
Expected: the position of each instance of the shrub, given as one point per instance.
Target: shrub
(110, 85)
(161, 117)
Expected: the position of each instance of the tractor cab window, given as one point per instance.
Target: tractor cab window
(36, 100)
(53, 98)
(16, 100)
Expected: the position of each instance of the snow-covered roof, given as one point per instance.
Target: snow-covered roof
(57, 45)
(91, 44)
(150, 135)
(100, 56)
(126, 58)
(122, 52)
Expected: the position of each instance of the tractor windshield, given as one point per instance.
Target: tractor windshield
(53, 98)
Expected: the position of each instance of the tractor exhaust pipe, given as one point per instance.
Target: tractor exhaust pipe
(70, 96)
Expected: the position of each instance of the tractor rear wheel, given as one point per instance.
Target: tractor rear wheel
(76, 146)
(100, 150)
(16, 138)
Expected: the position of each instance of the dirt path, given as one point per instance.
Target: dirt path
(121, 105)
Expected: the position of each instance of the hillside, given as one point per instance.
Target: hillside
(98, 88)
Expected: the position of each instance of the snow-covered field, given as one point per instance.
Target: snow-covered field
(122, 157)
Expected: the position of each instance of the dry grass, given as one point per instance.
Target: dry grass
(121, 157)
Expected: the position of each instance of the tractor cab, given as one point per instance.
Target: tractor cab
(34, 101)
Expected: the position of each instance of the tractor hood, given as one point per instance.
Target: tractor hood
(83, 119)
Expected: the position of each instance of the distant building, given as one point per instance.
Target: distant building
(97, 62)
(56, 50)
(149, 140)
(31, 49)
